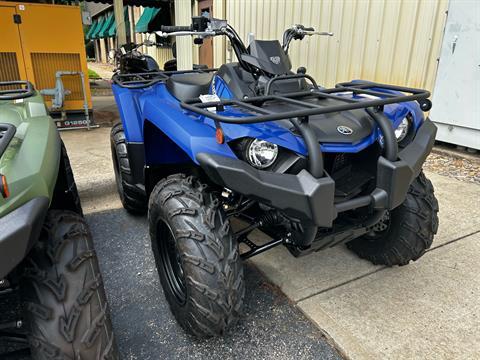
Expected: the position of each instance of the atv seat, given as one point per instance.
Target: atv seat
(189, 86)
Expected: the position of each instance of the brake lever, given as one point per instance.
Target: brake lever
(326, 33)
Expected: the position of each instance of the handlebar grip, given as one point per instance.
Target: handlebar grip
(167, 28)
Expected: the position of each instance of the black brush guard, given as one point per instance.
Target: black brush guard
(7, 131)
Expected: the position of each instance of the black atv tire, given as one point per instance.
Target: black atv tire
(132, 198)
(65, 308)
(197, 258)
(410, 230)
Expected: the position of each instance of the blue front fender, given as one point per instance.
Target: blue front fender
(188, 132)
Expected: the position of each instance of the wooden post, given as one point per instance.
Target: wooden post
(120, 22)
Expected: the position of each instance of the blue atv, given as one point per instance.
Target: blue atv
(311, 167)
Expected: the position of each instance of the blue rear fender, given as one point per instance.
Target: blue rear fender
(127, 104)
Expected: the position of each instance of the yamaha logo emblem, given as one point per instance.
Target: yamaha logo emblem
(344, 130)
(275, 59)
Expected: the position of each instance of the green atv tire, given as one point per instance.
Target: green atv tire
(66, 311)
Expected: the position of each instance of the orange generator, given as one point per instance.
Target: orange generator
(39, 40)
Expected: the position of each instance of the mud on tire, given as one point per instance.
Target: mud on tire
(133, 200)
(410, 230)
(66, 312)
(196, 256)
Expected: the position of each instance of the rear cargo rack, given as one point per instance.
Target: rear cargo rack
(260, 114)
(7, 131)
(13, 90)
(143, 80)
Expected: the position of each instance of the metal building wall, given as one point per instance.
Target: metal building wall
(161, 55)
(393, 41)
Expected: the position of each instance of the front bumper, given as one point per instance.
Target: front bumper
(19, 230)
(311, 199)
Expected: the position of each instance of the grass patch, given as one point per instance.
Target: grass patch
(93, 74)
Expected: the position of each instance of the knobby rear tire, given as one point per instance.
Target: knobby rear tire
(132, 198)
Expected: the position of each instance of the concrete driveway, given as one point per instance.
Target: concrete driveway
(428, 309)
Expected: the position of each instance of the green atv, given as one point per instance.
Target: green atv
(53, 304)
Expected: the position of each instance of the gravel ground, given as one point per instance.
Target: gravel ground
(453, 165)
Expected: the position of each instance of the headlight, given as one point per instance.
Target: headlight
(402, 130)
(261, 154)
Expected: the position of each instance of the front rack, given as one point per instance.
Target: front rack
(255, 104)
(377, 95)
(13, 90)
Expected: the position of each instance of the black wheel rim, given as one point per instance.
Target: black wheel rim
(171, 262)
(380, 229)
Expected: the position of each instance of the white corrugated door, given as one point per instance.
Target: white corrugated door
(456, 100)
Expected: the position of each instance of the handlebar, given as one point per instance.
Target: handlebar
(203, 27)
(188, 33)
(168, 29)
(298, 32)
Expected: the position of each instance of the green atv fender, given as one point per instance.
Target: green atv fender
(30, 163)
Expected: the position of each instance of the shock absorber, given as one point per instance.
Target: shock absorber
(269, 218)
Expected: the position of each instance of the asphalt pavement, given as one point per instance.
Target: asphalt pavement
(272, 328)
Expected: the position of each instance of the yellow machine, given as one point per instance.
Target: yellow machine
(37, 40)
